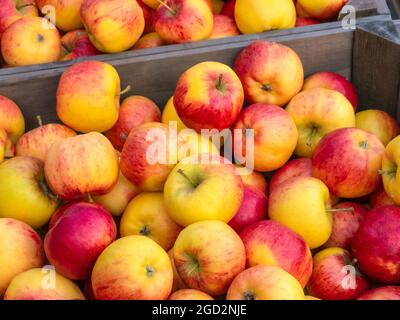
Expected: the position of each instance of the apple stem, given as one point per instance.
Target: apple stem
(340, 210)
(167, 7)
(126, 90)
(382, 172)
(309, 139)
(219, 83)
(181, 172)
(39, 120)
(90, 198)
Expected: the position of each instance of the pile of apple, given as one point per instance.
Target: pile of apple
(117, 225)
(78, 28)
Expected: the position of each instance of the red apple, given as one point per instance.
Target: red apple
(382, 293)
(253, 209)
(376, 245)
(270, 243)
(76, 44)
(380, 198)
(335, 277)
(79, 236)
(333, 81)
(229, 9)
(223, 27)
(302, 22)
(148, 14)
(253, 180)
(345, 224)
(13, 10)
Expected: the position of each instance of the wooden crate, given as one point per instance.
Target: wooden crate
(369, 55)
(394, 6)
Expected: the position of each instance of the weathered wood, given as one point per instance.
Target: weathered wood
(376, 66)
(394, 6)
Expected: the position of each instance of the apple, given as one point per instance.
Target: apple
(253, 209)
(189, 294)
(13, 10)
(346, 224)
(4, 142)
(390, 164)
(81, 165)
(116, 200)
(208, 95)
(217, 5)
(148, 14)
(146, 215)
(270, 243)
(180, 21)
(332, 81)
(67, 13)
(132, 268)
(153, 4)
(223, 27)
(348, 161)
(303, 205)
(112, 25)
(301, 167)
(134, 111)
(37, 142)
(229, 9)
(310, 298)
(324, 10)
(88, 289)
(169, 115)
(376, 245)
(61, 210)
(379, 123)
(178, 283)
(78, 237)
(149, 40)
(20, 249)
(335, 277)
(270, 72)
(11, 119)
(196, 191)
(302, 22)
(76, 44)
(27, 42)
(34, 284)
(208, 256)
(253, 180)
(265, 283)
(309, 109)
(275, 136)
(253, 16)
(88, 96)
(382, 293)
(380, 198)
(24, 194)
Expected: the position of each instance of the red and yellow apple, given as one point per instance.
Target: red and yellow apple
(190, 294)
(11, 119)
(253, 180)
(76, 44)
(324, 10)
(177, 283)
(380, 198)
(223, 27)
(302, 22)
(169, 115)
(149, 40)
(229, 9)
(382, 293)
(148, 14)
(390, 165)
(13, 10)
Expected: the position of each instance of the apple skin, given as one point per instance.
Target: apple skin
(20, 249)
(301, 204)
(132, 268)
(37, 142)
(4, 141)
(149, 40)
(61, 210)
(376, 245)
(189, 294)
(67, 13)
(169, 115)
(134, 111)
(192, 21)
(11, 119)
(275, 136)
(229, 9)
(23, 192)
(125, 18)
(302, 22)
(324, 10)
(26, 42)
(253, 180)
(208, 255)
(382, 293)
(199, 191)
(254, 208)
(265, 283)
(328, 277)
(88, 155)
(148, 14)
(146, 215)
(379, 123)
(9, 12)
(345, 225)
(390, 165)
(223, 27)
(79, 236)
(332, 81)
(76, 44)
(270, 243)
(178, 283)
(380, 198)
(308, 110)
(270, 72)
(348, 161)
(208, 95)
(80, 110)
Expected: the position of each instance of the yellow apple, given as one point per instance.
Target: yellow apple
(190, 294)
(169, 115)
(390, 170)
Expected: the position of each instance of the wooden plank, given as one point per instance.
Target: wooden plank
(155, 75)
(365, 8)
(394, 6)
(376, 66)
